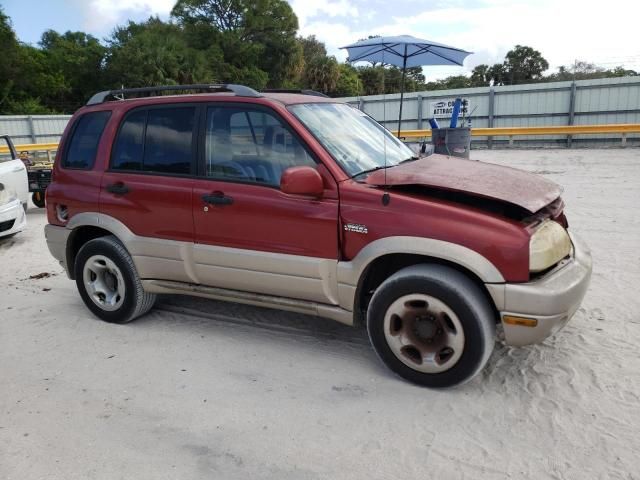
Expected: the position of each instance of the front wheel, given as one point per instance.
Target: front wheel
(109, 283)
(431, 325)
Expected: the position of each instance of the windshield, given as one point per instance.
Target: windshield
(357, 142)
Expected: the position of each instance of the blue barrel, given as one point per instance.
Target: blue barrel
(457, 105)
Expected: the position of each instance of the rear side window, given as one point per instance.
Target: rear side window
(83, 144)
(158, 140)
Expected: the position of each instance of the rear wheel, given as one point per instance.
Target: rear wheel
(109, 283)
(431, 325)
(38, 199)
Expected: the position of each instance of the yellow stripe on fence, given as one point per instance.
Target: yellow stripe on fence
(31, 147)
(621, 128)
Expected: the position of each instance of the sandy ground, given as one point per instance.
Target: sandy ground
(200, 389)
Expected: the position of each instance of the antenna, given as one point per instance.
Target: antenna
(384, 138)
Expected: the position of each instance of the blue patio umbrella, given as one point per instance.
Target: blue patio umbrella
(404, 51)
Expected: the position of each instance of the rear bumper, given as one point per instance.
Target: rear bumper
(57, 242)
(547, 303)
(13, 218)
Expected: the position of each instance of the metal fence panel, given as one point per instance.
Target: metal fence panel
(602, 101)
(33, 128)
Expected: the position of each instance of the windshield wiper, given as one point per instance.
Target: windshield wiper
(380, 167)
(374, 169)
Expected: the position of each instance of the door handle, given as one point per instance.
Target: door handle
(118, 188)
(217, 198)
(17, 169)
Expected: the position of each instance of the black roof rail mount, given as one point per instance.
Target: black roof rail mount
(303, 91)
(239, 90)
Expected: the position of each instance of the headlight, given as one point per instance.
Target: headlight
(7, 194)
(548, 245)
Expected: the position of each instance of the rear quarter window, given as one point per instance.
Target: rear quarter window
(85, 137)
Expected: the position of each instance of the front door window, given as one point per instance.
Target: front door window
(248, 145)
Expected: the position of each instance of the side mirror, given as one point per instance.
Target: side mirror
(302, 181)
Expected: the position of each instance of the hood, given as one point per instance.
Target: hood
(526, 190)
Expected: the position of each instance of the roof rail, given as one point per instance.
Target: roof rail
(293, 90)
(239, 90)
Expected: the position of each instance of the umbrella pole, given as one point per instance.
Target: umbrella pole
(404, 71)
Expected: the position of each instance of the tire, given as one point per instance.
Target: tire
(38, 199)
(108, 282)
(431, 325)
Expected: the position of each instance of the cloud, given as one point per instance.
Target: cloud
(562, 31)
(309, 9)
(101, 16)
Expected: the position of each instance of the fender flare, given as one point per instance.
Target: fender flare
(350, 273)
(137, 246)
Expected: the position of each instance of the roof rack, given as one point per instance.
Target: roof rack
(239, 90)
(293, 90)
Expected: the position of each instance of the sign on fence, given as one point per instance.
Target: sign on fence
(443, 108)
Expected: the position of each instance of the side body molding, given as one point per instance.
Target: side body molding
(349, 273)
(149, 255)
(329, 287)
(267, 273)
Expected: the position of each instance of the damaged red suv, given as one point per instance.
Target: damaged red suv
(298, 202)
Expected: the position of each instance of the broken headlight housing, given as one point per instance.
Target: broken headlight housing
(549, 244)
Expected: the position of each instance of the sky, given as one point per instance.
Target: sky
(602, 32)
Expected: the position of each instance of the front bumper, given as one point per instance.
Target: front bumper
(546, 303)
(57, 242)
(13, 218)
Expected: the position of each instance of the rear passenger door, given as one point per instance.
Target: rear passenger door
(257, 238)
(148, 186)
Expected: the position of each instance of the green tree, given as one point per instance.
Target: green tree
(415, 75)
(322, 74)
(523, 64)
(348, 84)
(256, 33)
(620, 71)
(9, 63)
(583, 70)
(392, 78)
(155, 53)
(455, 81)
(312, 48)
(388, 79)
(480, 76)
(372, 79)
(25, 76)
(78, 60)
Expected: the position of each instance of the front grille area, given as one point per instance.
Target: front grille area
(8, 225)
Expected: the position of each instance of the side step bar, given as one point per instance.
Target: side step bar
(259, 300)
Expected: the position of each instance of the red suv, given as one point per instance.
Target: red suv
(298, 202)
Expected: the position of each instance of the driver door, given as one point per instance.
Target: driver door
(249, 235)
